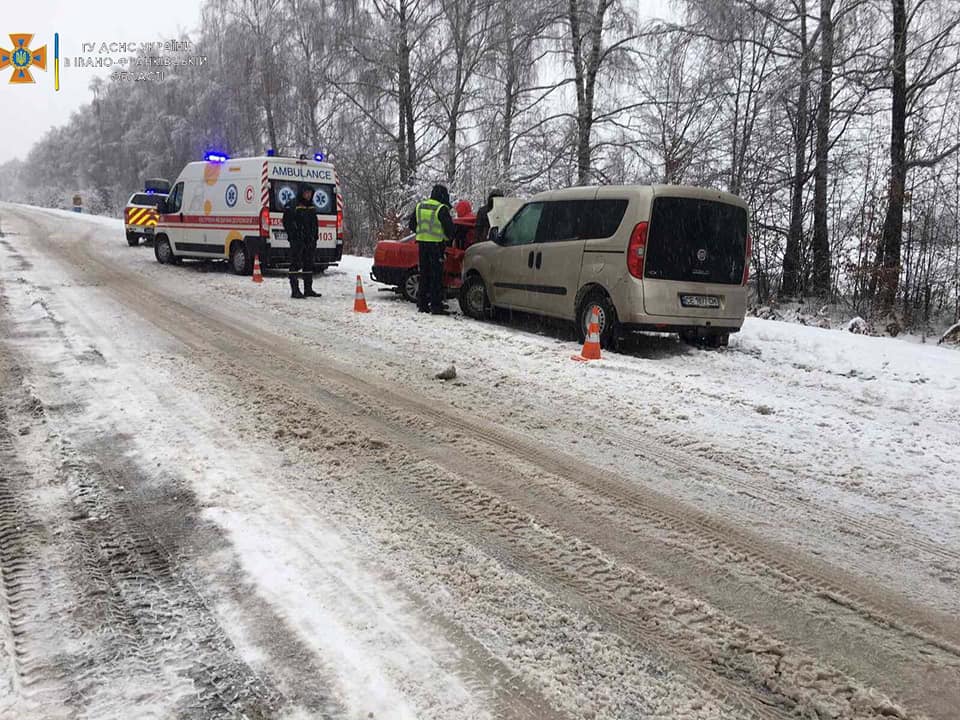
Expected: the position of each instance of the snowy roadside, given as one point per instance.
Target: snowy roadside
(838, 443)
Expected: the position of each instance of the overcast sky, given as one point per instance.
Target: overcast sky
(28, 111)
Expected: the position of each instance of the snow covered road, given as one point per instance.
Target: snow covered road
(240, 505)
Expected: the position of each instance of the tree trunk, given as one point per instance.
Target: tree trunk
(509, 100)
(821, 240)
(452, 130)
(402, 166)
(790, 285)
(586, 70)
(453, 127)
(583, 147)
(889, 271)
(509, 93)
(408, 142)
(266, 76)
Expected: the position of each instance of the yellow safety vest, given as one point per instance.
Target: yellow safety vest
(429, 228)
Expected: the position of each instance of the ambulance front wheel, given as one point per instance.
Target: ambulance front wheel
(132, 239)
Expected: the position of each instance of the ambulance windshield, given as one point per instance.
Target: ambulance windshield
(283, 191)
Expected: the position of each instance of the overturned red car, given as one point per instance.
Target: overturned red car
(397, 262)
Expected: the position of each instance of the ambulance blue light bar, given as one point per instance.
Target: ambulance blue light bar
(216, 157)
(319, 157)
(271, 152)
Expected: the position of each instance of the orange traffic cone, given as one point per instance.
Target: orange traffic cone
(591, 346)
(359, 302)
(257, 275)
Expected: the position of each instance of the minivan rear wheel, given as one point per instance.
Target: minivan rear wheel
(609, 325)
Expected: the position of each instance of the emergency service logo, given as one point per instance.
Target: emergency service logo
(21, 58)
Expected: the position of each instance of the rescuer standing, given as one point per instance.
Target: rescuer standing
(300, 223)
(432, 223)
(483, 216)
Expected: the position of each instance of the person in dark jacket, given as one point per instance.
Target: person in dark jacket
(433, 224)
(483, 220)
(300, 222)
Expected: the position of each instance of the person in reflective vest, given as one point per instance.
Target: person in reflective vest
(300, 223)
(433, 224)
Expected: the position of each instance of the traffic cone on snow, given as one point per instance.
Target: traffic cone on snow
(257, 275)
(591, 346)
(360, 302)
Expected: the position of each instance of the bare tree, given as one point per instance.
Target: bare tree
(590, 25)
(821, 240)
(678, 89)
(934, 57)
(465, 29)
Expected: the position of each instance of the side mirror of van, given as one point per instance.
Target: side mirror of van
(162, 207)
(494, 236)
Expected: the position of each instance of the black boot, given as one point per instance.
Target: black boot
(295, 287)
(308, 287)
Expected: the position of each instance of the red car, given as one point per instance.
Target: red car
(397, 262)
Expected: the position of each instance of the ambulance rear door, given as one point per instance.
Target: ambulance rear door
(283, 191)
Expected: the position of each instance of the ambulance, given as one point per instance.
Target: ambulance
(232, 209)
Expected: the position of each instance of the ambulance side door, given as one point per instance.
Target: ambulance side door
(193, 234)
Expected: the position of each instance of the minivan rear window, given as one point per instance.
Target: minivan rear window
(283, 191)
(696, 240)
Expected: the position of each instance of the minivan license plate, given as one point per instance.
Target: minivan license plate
(700, 301)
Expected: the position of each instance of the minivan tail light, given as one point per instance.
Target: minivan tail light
(265, 222)
(637, 250)
(746, 262)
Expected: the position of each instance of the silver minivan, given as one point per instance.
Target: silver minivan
(663, 258)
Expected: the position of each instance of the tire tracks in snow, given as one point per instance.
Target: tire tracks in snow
(662, 453)
(815, 581)
(101, 620)
(37, 679)
(204, 330)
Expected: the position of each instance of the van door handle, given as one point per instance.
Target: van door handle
(181, 216)
(530, 259)
(539, 259)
